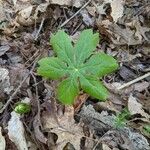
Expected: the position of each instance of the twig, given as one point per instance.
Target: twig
(37, 99)
(64, 23)
(134, 81)
(17, 89)
(41, 25)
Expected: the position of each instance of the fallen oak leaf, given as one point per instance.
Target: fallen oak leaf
(65, 128)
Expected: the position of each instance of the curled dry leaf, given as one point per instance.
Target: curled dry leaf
(2, 141)
(135, 107)
(16, 132)
(65, 128)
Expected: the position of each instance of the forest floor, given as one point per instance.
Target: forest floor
(120, 123)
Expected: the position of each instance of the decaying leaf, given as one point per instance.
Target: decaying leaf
(38, 133)
(2, 141)
(131, 30)
(126, 139)
(4, 49)
(96, 121)
(16, 132)
(4, 81)
(76, 3)
(135, 107)
(24, 16)
(65, 128)
(141, 86)
(106, 147)
(117, 9)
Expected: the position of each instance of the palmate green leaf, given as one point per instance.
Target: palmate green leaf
(85, 45)
(93, 87)
(100, 64)
(62, 45)
(68, 90)
(52, 67)
(78, 64)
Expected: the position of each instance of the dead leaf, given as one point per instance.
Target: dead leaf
(2, 141)
(38, 133)
(95, 120)
(126, 73)
(65, 128)
(4, 49)
(141, 86)
(125, 139)
(86, 18)
(16, 131)
(117, 7)
(76, 3)
(135, 107)
(5, 81)
(23, 17)
(105, 147)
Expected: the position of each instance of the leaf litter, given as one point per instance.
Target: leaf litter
(124, 29)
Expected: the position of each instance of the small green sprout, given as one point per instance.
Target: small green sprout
(22, 108)
(146, 130)
(121, 118)
(81, 66)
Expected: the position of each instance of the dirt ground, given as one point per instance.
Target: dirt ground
(120, 123)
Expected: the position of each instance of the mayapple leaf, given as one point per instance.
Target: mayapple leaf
(62, 45)
(85, 45)
(52, 67)
(93, 87)
(79, 65)
(67, 90)
(100, 64)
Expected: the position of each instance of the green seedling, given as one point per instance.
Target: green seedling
(78, 65)
(121, 118)
(146, 130)
(22, 108)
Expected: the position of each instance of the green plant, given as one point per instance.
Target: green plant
(121, 118)
(80, 66)
(22, 108)
(146, 130)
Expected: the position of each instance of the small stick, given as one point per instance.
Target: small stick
(64, 23)
(17, 89)
(134, 81)
(40, 28)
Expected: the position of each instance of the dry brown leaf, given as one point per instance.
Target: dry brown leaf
(117, 7)
(2, 141)
(130, 30)
(65, 128)
(135, 107)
